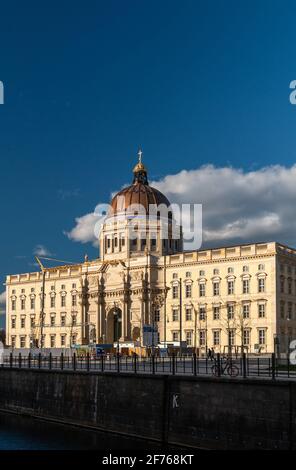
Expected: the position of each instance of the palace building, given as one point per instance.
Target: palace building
(235, 297)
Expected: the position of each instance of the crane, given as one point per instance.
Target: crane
(43, 271)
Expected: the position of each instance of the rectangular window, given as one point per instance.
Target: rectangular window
(188, 314)
(32, 322)
(175, 314)
(188, 290)
(216, 313)
(290, 287)
(63, 320)
(282, 285)
(43, 341)
(189, 338)
(261, 336)
(63, 301)
(175, 335)
(13, 321)
(22, 341)
(290, 311)
(246, 311)
(74, 320)
(73, 340)
(13, 342)
(52, 302)
(175, 292)
(246, 337)
(13, 304)
(23, 304)
(216, 337)
(52, 320)
(32, 303)
(246, 286)
(74, 300)
(202, 290)
(216, 288)
(261, 310)
(52, 341)
(63, 340)
(230, 312)
(73, 286)
(230, 287)
(202, 313)
(23, 322)
(261, 285)
(231, 337)
(202, 338)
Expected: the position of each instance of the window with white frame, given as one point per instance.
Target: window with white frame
(175, 335)
(216, 312)
(246, 337)
(262, 336)
(175, 314)
(261, 310)
(246, 311)
(216, 288)
(230, 287)
(189, 338)
(231, 337)
(188, 313)
(261, 284)
(202, 337)
(52, 341)
(63, 301)
(246, 286)
(202, 313)
(22, 341)
(188, 290)
(202, 290)
(175, 292)
(230, 311)
(216, 337)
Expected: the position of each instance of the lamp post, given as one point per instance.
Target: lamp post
(118, 320)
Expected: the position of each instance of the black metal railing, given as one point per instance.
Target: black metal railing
(244, 366)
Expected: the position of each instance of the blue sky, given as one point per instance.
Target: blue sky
(88, 83)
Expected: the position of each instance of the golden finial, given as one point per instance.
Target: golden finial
(139, 166)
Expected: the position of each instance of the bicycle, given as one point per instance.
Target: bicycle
(231, 369)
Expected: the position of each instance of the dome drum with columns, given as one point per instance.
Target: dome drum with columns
(140, 221)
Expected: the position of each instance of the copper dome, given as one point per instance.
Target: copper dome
(139, 193)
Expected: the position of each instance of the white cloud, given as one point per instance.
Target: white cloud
(85, 229)
(41, 250)
(238, 206)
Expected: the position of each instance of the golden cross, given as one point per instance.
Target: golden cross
(140, 153)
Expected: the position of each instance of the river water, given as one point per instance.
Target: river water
(25, 433)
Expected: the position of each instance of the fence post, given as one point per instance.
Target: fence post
(244, 366)
(29, 360)
(10, 360)
(219, 364)
(74, 361)
(88, 362)
(62, 361)
(273, 366)
(20, 360)
(39, 361)
(194, 363)
(50, 361)
(153, 363)
(135, 363)
(173, 364)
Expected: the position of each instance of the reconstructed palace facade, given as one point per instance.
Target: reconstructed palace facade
(233, 297)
